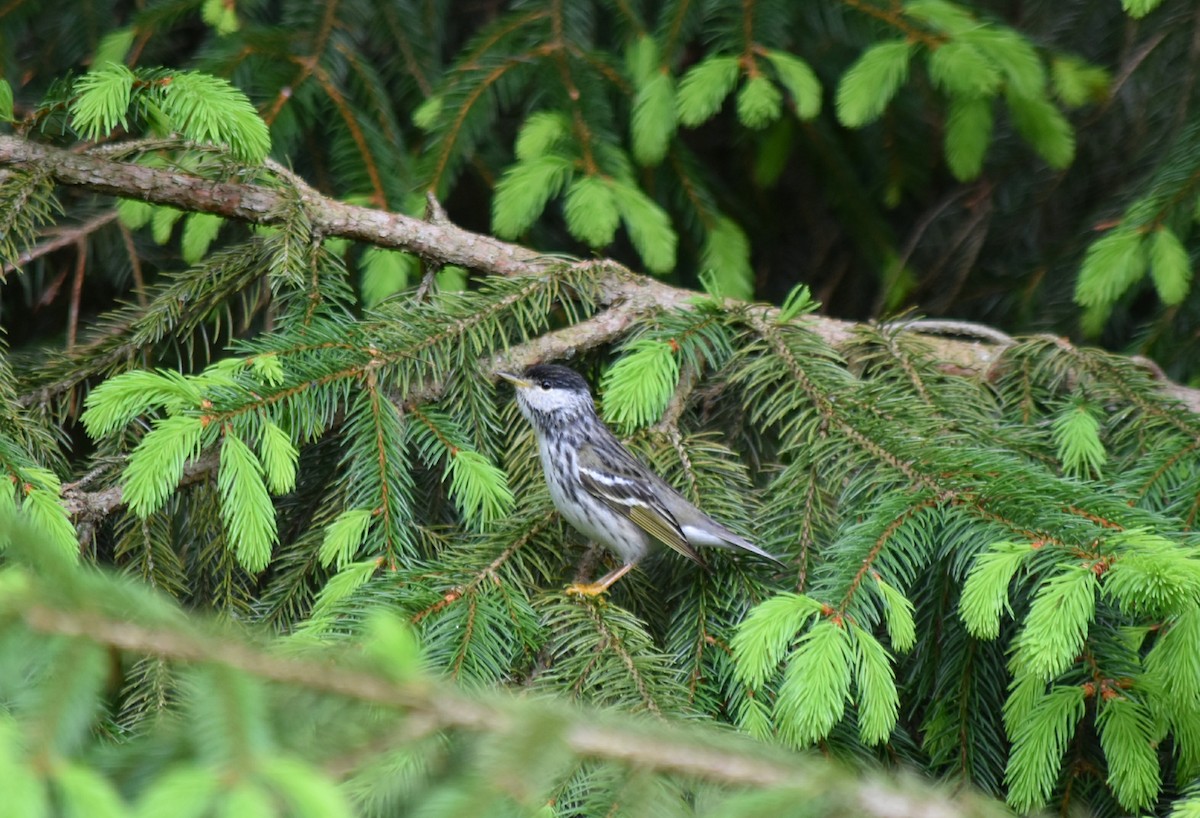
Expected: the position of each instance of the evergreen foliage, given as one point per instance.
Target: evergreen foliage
(619, 129)
(994, 580)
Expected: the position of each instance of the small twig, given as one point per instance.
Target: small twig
(135, 265)
(95, 505)
(76, 292)
(434, 212)
(683, 390)
(62, 237)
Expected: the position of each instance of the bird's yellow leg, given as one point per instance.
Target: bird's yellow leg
(599, 586)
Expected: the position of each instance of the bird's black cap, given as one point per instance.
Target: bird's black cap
(553, 376)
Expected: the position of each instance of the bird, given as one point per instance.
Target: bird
(600, 488)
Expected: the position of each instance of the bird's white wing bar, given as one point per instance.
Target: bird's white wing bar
(630, 498)
(615, 488)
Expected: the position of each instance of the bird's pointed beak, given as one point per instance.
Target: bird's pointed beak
(515, 380)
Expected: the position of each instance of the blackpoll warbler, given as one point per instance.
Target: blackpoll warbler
(599, 487)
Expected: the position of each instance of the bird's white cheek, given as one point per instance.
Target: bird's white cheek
(541, 401)
(547, 401)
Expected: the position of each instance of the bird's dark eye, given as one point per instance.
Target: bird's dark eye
(545, 385)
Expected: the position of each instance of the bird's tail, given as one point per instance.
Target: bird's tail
(722, 537)
(744, 544)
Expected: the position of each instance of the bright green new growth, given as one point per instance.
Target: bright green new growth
(1170, 266)
(199, 231)
(1153, 574)
(1039, 741)
(1139, 8)
(869, 85)
(479, 488)
(44, 511)
(962, 70)
(878, 699)
(202, 107)
(542, 132)
(1076, 434)
(1057, 624)
(523, 192)
(279, 456)
(221, 16)
(6, 101)
(704, 87)
(652, 126)
(898, 616)
(591, 211)
(767, 632)
(639, 385)
(156, 466)
(1078, 83)
(820, 662)
(385, 273)
(245, 504)
(344, 537)
(1128, 736)
(985, 594)
(949, 18)
(816, 684)
(1043, 126)
(727, 271)
(1148, 238)
(329, 603)
(103, 100)
(117, 401)
(162, 223)
(800, 81)
(648, 225)
(759, 103)
(209, 109)
(1112, 265)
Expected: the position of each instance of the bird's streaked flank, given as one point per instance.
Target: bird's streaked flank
(599, 487)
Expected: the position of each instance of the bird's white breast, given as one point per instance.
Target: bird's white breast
(587, 514)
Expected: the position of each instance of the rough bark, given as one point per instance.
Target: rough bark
(962, 345)
(964, 348)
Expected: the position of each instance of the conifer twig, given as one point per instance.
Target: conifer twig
(62, 237)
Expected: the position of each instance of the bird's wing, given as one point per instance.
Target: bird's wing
(614, 481)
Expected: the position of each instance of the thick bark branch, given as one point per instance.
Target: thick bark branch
(261, 204)
(629, 296)
(437, 240)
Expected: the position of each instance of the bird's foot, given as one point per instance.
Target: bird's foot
(600, 586)
(587, 589)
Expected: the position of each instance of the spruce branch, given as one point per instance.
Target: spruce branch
(436, 241)
(628, 297)
(439, 242)
(96, 505)
(657, 747)
(261, 204)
